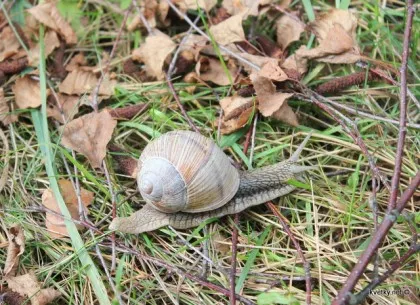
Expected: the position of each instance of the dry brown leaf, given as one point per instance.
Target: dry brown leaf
(27, 93)
(27, 285)
(206, 5)
(5, 117)
(89, 135)
(51, 42)
(210, 69)
(14, 250)
(194, 44)
(271, 102)
(54, 223)
(9, 45)
(234, 7)
(288, 30)
(76, 62)
(69, 105)
(80, 82)
(230, 30)
(236, 112)
(296, 62)
(153, 52)
(48, 14)
(336, 33)
(256, 60)
(271, 70)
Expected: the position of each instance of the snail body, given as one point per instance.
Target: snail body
(186, 179)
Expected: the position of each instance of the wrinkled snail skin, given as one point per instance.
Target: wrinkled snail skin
(255, 187)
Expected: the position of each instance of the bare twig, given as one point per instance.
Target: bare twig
(289, 232)
(232, 295)
(376, 241)
(403, 109)
(142, 18)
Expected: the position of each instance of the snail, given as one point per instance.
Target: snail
(185, 179)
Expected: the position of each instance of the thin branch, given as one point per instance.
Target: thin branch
(376, 241)
(403, 108)
(232, 295)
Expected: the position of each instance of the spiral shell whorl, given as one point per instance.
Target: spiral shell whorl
(185, 171)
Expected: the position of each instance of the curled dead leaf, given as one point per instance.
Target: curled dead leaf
(296, 62)
(64, 109)
(153, 52)
(15, 249)
(234, 7)
(230, 30)
(48, 14)
(76, 62)
(288, 30)
(210, 69)
(237, 111)
(336, 33)
(89, 135)
(206, 5)
(80, 82)
(27, 285)
(27, 92)
(194, 44)
(271, 102)
(55, 223)
(9, 45)
(271, 70)
(5, 117)
(257, 60)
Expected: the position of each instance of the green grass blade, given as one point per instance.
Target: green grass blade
(250, 260)
(42, 132)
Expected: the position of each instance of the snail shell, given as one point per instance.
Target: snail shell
(183, 171)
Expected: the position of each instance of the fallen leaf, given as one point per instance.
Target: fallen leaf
(288, 30)
(271, 70)
(237, 111)
(5, 117)
(336, 33)
(234, 7)
(28, 285)
(9, 45)
(194, 44)
(271, 102)
(14, 250)
(256, 60)
(51, 42)
(89, 135)
(54, 223)
(48, 14)
(27, 93)
(69, 107)
(296, 62)
(150, 9)
(80, 82)
(210, 69)
(153, 52)
(76, 62)
(230, 30)
(206, 5)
